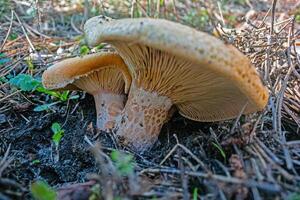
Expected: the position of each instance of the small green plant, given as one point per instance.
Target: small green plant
(294, 196)
(40, 190)
(231, 19)
(95, 10)
(44, 106)
(58, 133)
(137, 12)
(3, 80)
(154, 197)
(4, 6)
(123, 162)
(12, 36)
(297, 18)
(27, 83)
(30, 64)
(4, 59)
(197, 18)
(100, 46)
(95, 192)
(84, 50)
(35, 162)
(220, 150)
(195, 194)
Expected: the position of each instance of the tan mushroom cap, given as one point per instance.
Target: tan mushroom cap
(78, 73)
(206, 79)
(103, 75)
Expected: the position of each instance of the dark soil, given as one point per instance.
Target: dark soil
(34, 153)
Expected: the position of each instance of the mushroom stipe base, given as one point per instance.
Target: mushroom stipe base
(109, 107)
(142, 118)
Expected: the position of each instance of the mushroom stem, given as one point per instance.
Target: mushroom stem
(142, 118)
(109, 106)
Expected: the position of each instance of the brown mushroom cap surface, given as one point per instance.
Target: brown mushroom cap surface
(206, 79)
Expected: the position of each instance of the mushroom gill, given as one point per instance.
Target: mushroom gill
(160, 80)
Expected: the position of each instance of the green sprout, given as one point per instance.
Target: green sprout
(35, 162)
(197, 18)
(297, 18)
(40, 190)
(12, 36)
(124, 162)
(29, 64)
(100, 46)
(195, 194)
(95, 192)
(84, 50)
(3, 80)
(220, 149)
(4, 59)
(58, 133)
(294, 196)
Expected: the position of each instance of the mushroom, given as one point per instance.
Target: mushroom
(98, 74)
(172, 64)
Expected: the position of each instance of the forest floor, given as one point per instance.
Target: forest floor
(252, 157)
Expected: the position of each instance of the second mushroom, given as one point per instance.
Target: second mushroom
(103, 75)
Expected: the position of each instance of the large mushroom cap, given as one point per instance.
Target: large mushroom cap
(207, 79)
(82, 73)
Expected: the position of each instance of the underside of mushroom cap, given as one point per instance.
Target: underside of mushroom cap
(207, 79)
(90, 73)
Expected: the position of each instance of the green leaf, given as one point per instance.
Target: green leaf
(4, 59)
(95, 10)
(74, 97)
(95, 192)
(3, 79)
(124, 162)
(56, 138)
(297, 18)
(44, 107)
(55, 127)
(294, 196)
(12, 36)
(195, 194)
(36, 161)
(64, 95)
(84, 50)
(220, 149)
(58, 133)
(49, 92)
(25, 82)
(161, 2)
(100, 46)
(40, 190)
